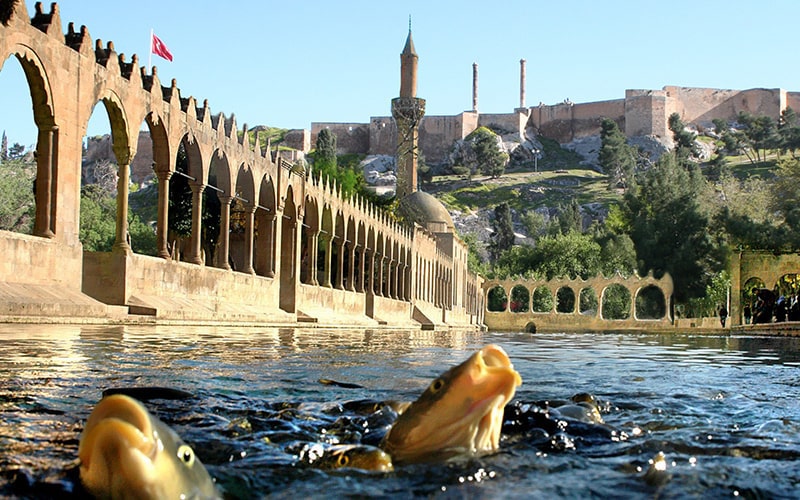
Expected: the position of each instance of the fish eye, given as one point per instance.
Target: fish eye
(343, 460)
(437, 386)
(186, 455)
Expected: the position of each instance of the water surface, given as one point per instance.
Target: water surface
(724, 410)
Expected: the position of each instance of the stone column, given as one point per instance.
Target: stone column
(271, 241)
(326, 278)
(162, 226)
(43, 186)
(197, 188)
(122, 235)
(250, 212)
(474, 87)
(361, 269)
(312, 239)
(379, 284)
(351, 273)
(522, 83)
(224, 230)
(339, 264)
(369, 281)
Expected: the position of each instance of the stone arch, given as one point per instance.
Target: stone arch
(163, 166)
(216, 216)
(361, 250)
(565, 300)
(497, 299)
(338, 251)
(520, 299)
(351, 255)
(324, 248)
(615, 302)
(371, 256)
(380, 256)
(309, 241)
(38, 83)
(185, 189)
(243, 207)
(45, 197)
(542, 300)
(288, 258)
(266, 229)
(749, 297)
(587, 302)
(650, 303)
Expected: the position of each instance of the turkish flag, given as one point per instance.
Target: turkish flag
(158, 48)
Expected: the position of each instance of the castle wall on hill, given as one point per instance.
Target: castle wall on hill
(701, 106)
(793, 101)
(438, 133)
(645, 113)
(640, 113)
(568, 121)
(350, 137)
(515, 122)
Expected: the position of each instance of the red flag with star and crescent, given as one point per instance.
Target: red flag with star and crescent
(158, 48)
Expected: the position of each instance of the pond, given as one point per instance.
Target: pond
(723, 409)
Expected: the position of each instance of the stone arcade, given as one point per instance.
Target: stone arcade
(307, 254)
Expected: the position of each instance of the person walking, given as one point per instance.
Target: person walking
(723, 315)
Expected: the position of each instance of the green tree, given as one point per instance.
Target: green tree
(789, 132)
(480, 153)
(567, 255)
(569, 218)
(503, 236)
(17, 206)
(684, 139)
(617, 158)
(669, 228)
(758, 134)
(325, 154)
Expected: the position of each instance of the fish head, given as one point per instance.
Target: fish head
(461, 412)
(125, 452)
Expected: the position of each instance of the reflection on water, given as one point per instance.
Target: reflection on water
(723, 409)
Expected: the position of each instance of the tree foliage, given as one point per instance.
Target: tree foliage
(17, 204)
(503, 231)
(670, 229)
(481, 153)
(617, 158)
(685, 147)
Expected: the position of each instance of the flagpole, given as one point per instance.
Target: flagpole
(150, 52)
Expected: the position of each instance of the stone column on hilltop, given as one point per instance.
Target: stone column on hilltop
(474, 87)
(522, 83)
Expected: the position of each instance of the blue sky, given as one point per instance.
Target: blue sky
(290, 63)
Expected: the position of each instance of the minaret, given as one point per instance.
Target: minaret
(522, 84)
(474, 87)
(407, 111)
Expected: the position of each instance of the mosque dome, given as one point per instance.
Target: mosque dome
(427, 211)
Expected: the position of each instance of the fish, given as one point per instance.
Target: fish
(126, 452)
(460, 413)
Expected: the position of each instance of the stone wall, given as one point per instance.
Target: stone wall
(701, 106)
(640, 113)
(350, 137)
(438, 133)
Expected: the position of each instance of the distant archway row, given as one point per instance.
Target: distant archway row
(593, 301)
